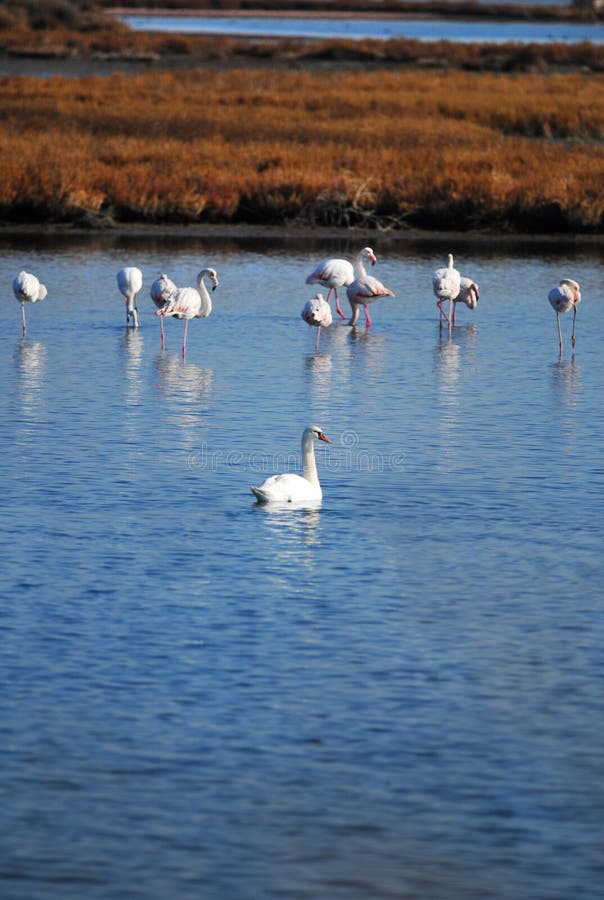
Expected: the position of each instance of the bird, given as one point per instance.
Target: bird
(190, 303)
(160, 292)
(335, 273)
(28, 289)
(293, 488)
(130, 282)
(446, 283)
(317, 311)
(365, 289)
(564, 297)
(468, 294)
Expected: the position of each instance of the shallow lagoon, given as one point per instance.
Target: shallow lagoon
(397, 694)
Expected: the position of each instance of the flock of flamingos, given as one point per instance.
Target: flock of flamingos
(450, 287)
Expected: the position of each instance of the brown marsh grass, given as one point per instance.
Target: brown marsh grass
(384, 148)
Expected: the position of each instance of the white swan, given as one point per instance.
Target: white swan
(292, 488)
(317, 312)
(190, 303)
(130, 282)
(27, 289)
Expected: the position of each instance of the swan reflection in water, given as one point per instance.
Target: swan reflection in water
(292, 531)
(30, 358)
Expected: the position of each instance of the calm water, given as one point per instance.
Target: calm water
(360, 28)
(399, 694)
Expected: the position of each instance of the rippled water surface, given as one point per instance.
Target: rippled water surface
(398, 694)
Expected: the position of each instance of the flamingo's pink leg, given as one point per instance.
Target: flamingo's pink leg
(367, 316)
(317, 338)
(23, 319)
(573, 339)
(184, 338)
(559, 330)
(338, 307)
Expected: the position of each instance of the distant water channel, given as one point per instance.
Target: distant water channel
(462, 30)
(397, 694)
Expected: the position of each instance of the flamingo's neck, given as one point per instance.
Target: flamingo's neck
(361, 266)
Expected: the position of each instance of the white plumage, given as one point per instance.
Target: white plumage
(335, 273)
(564, 297)
(293, 488)
(469, 294)
(446, 283)
(160, 292)
(365, 289)
(317, 312)
(190, 303)
(28, 289)
(130, 282)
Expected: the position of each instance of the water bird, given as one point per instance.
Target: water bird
(468, 294)
(335, 273)
(564, 297)
(293, 488)
(365, 289)
(190, 303)
(28, 289)
(160, 292)
(317, 311)
(130, 282)
(446, 283)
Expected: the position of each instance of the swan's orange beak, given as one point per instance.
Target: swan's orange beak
(323, 437)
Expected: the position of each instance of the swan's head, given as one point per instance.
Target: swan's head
(367, 253)
(317, 433)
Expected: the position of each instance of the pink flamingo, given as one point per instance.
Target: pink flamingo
(160, 292)
(365, 289)
(130, 282)
(468, 294)
(564, 297)
(335, 273)
(446, 283)
(190, 303)
(317, 311)
(27, 289)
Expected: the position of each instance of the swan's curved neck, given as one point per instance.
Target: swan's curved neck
(309, 465)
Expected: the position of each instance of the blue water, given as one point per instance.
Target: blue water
(382, 29)
(399, 694)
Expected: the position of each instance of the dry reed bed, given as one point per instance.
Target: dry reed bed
(384, 149)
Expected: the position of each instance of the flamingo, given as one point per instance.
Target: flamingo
(446, 283)
(293, 488)
(564, 297)
(160, 292)
(317, 311)
(130, 282)
(468, 294)
(365, 289)
(335, 273)
(190, 303)
(27, 289)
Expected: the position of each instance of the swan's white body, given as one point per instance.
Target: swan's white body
(564, 297)
(317, 312)
(446, 283)
(160, 292)
(292, 488)
(190, 303)
(28, 289)
(130, 282)
(365, 289)
(469, 294)
(335, 273)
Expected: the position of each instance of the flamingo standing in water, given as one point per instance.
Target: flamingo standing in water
(130, 282)
(563, 298)
(468, 294)
(28, 289)
(293, 488)
(365, 289)
(190, 303)
(317, 311)
(335, 273)
(446, 283)
(160, 292)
